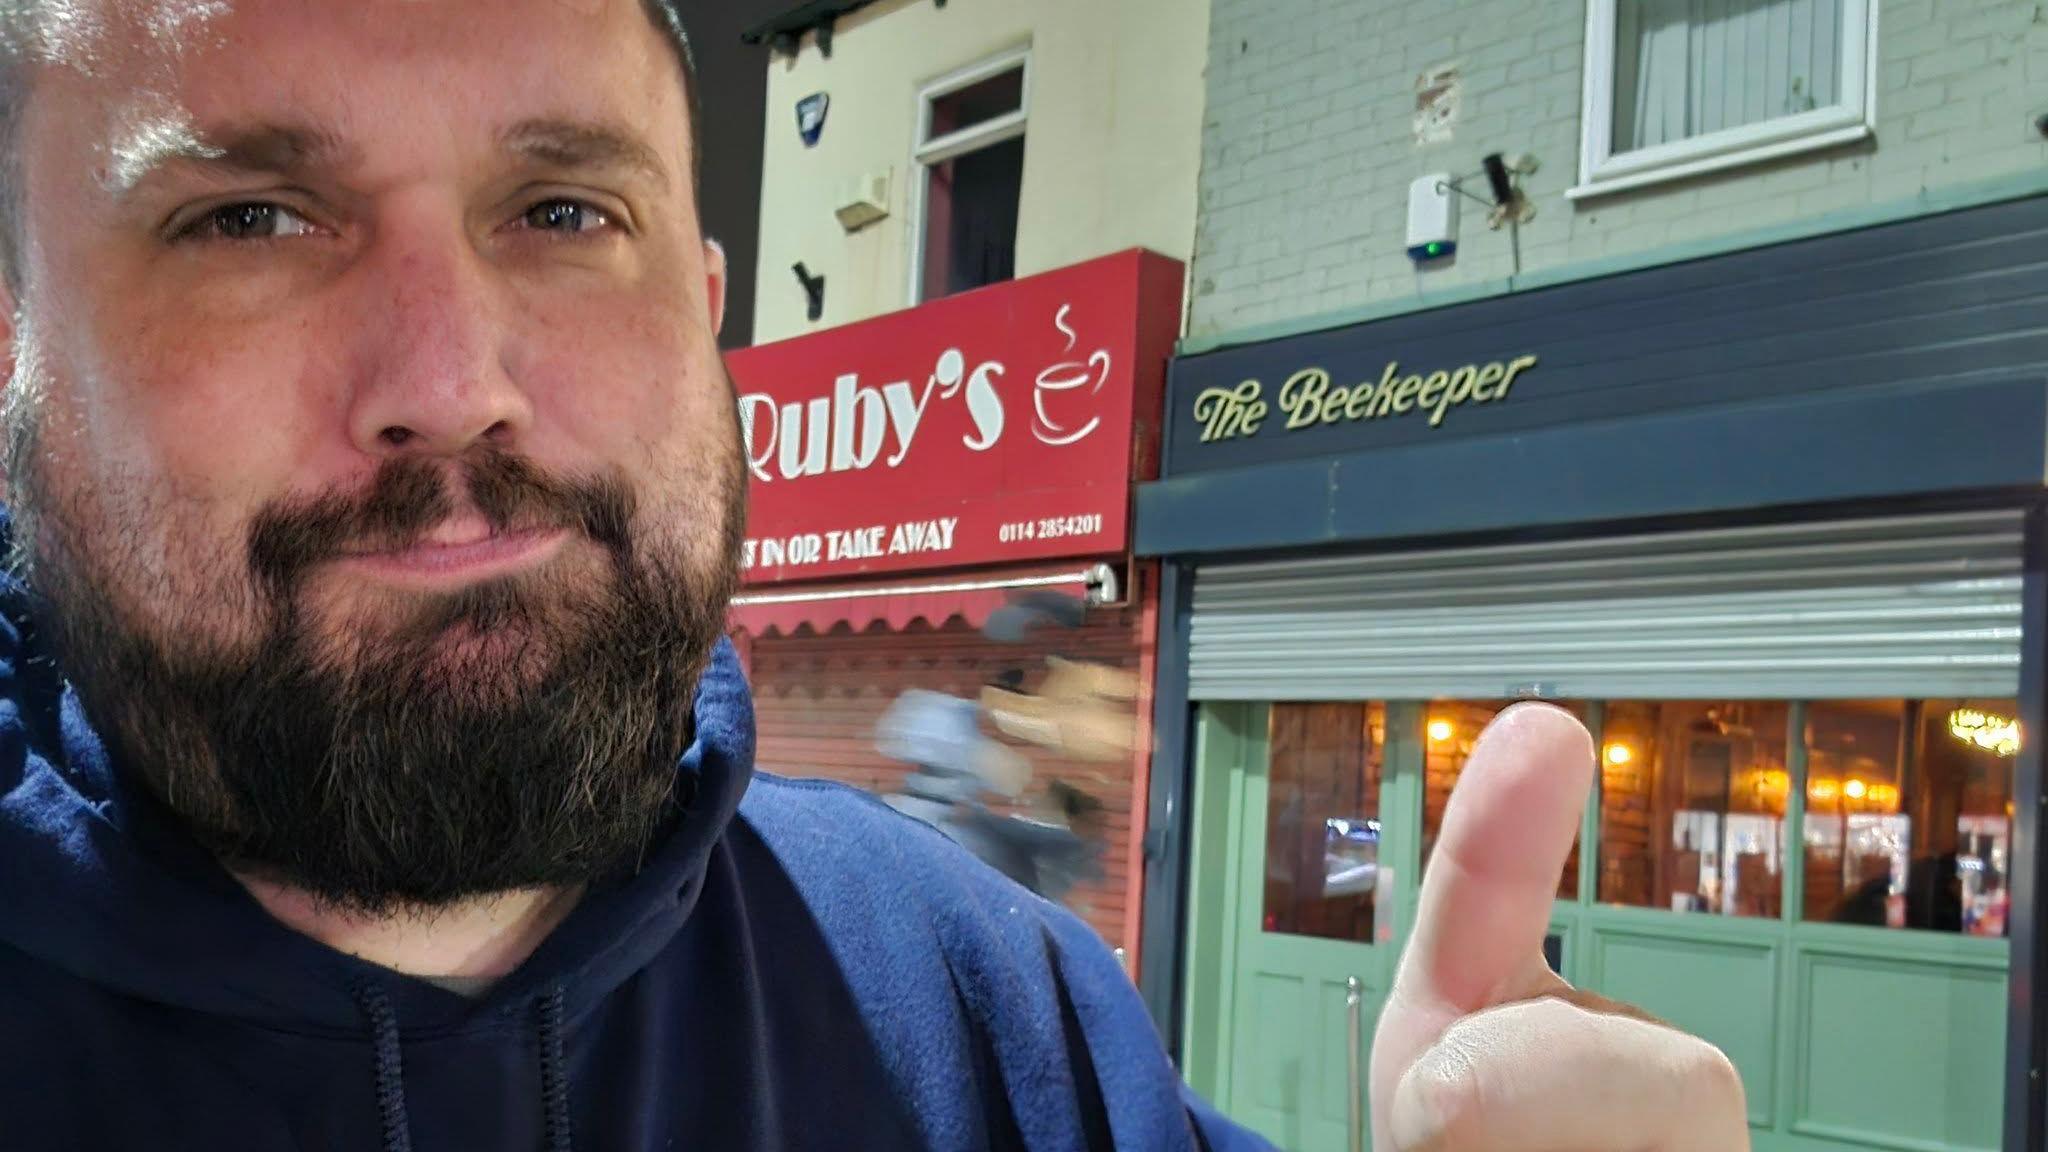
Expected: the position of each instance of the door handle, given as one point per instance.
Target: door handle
(1354, 1009)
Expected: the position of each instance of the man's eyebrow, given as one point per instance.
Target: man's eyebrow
(570, 144)
(284, 149)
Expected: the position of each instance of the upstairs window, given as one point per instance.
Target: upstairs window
(969, 174)
(1676, 88)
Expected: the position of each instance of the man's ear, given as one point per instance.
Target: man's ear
(715, 283)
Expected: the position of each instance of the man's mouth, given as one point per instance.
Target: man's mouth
(458, 551)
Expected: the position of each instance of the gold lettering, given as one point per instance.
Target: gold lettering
(1359, 402)
(1333, 404)
(1520, 365)
(1308, 398)
(1404, 396)
(1459, 392)
(1383, 396)
(1302, 396)
(1461, 384)
(1228, 413)
(1431, 389)
(1211, 408)
(1488, 377)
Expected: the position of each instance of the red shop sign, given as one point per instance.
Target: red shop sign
(1000, 425)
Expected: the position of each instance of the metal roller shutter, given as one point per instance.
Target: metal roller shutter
(1898, 606)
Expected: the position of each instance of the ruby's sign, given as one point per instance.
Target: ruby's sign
(1001, 425)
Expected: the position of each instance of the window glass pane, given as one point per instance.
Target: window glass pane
(1684, 69)
(1453, 727)
(1693, 806)
(1909, 813)
(980, 103)
(1322, 819)
(970, 219)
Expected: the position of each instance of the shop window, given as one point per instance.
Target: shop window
(1693, 797)
(1909, 813)
(970, 170)
(1675, 88)
(1452, 730)
(1322, 819)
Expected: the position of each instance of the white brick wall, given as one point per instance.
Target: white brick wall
(1309, 148)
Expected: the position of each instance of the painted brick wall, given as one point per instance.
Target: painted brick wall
(1309, 143)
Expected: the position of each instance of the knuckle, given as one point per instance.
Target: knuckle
(1448, 1093)
(1719, 1081)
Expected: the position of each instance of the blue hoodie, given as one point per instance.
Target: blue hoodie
(795, 967)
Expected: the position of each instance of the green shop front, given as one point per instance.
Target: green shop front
(1772, 524)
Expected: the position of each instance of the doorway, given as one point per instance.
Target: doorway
(1296, 925)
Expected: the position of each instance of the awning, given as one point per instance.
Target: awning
(897, 604)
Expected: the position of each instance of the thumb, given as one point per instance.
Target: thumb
(1487, 896)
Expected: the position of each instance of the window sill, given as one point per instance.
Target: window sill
(1687, 169)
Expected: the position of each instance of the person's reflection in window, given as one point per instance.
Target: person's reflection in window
(1909, 813)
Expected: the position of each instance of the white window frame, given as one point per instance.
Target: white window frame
(1602, 171)
(925, 153)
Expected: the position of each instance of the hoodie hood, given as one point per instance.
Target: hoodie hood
(99, 880)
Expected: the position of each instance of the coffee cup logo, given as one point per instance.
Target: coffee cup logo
(1064, 397)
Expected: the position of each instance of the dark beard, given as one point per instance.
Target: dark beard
(391, 773)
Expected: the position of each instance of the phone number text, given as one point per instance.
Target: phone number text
(1050, 528)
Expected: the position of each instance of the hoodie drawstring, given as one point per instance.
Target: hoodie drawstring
(554, 1070)
(390, 1068)
(554, 1074)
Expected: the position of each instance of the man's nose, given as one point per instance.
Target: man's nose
(430, 373)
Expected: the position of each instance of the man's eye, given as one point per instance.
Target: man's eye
(568, 217)
(254, 220)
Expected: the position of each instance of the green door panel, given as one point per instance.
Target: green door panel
(1905, 1054)
(1293, 1060)
(1724, 991)
(1270, 1077)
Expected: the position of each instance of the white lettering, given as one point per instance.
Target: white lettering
(922, 536)
(758, 454)
(904, 416)
(838, 545)
(854, 543)
(803, 436)
(850, 428)
(985, 405)
(951, 370)
(858, 424)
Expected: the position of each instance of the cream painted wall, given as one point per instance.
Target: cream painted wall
(1112, 152)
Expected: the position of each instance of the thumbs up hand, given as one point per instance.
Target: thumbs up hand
(1481, 1046)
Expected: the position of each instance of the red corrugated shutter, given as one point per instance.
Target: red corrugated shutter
(819, 698)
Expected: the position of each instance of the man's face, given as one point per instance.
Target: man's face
(380, 468)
